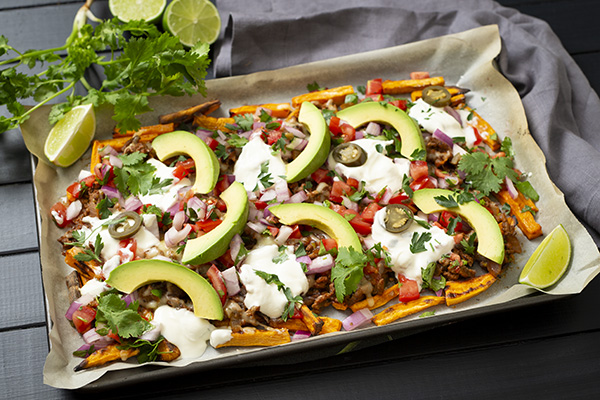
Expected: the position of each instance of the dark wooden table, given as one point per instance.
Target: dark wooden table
(550, 350)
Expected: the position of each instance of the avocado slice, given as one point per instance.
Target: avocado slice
(369, 111)
(316, 151)
(131, 275)
(321, 217)
(491, 242)
(215, 243)
(181, 142)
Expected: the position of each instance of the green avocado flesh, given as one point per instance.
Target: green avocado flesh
(489, 236)
(316, 151)
(185, 143)
(320, 217)
(371, 111)
(134, 274)
(215, 243)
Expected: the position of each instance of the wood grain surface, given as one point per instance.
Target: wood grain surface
(550, 350)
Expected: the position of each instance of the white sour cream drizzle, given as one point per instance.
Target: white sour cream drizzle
(166, 199)
(398, 245)
(182, 328)
(266, 296)
(220, 336)
(432, 118)
(378, 171)
(253, 155)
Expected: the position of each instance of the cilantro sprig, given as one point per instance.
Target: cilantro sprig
(485, 173)
(136, 177)
(347, 271)
(119, 317)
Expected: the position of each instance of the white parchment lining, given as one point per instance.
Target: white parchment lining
(465, 59)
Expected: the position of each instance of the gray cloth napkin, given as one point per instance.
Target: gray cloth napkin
(563, 110)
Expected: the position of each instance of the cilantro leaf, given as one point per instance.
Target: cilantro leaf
(120, 318)
(446, 201)
(347, 271)
(486, 174)
(136, 177)
(417, 242)
(429, 282)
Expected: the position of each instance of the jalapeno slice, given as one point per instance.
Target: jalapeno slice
(397, 218)
(350, 154)
(130, 223)
(437, 96)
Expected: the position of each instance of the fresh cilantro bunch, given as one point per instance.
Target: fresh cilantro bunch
(347, 271)
(119, 317)
(137, 60)
(136, 177)
(485, 173)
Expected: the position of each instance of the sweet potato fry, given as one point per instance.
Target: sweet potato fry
(377, 300)
(484, 128)
(410, 85)
(402, 310)
(150, 129)
(167, 351)
(212, 123)
(313, 322)
(459, 291)
(86, 269)
(278, 110)
(292, 324)
(337, 95)
(188, 114)
(250, 337)
(104, 356)
(454, 91)
(330, 325)
(525, 219)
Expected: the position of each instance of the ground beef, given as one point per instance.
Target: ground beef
(438, 152)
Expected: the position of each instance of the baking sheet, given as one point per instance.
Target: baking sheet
(465, 59)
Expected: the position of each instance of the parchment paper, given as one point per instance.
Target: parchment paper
(465, 59)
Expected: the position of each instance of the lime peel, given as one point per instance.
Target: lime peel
(549, 261)
(192, 21)
(129, 10)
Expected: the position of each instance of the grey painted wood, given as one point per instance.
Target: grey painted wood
(21, 300)
(14, 158)
(19, 230)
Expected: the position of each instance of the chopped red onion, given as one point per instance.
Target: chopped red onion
(298, 197)
(510, 186)
(320, 264)
(281, 188)
(256, 226)
(283, 235)
(91, 336)
(257, 125)
(204, 134)
(456, 149)
(232, 282)
(106, 150)
(179, 219)
(173, 237)
(198, 206)
(373, 129)
(174, 208)
(133, 203)
(433, 217)
(152, 334)
(111, 192)
(438, 134)
(230, 178)
(387, 195)
(100, 170)
(359, 134)
(296, 132)
(115, 161)
(268, 195)
(358, 318)
(454, 114)
(80, 302)
(300, 335)
(349, 204)
(304, 259)
(73, 210)
(235, 246)
(297, 144)
(130, 298)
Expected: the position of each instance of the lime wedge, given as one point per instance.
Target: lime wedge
(130, 10)
(549, 261)
(192, 21)
(71, 136)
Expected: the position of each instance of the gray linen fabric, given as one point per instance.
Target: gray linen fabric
(563, 110)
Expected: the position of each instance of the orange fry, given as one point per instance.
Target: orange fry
(402, 310)
(459, 291)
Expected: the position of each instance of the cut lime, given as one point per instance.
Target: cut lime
(130, 10)
(71, 136)
(549, 261)
(192, 21)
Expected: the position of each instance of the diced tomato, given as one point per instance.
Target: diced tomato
(368, 214)
(212, 143)
(221, 205)
(478, 138)
(424, 183)
(329, 244)
(260, 205)
(374, 86)
(59, 214)
(418, 169)
(360, 225)
(348, 132)
(321, 175)
(353, 182)
(216, 279)
(73, 191)
(114, 336)
(409, 289)
(296, 234)
(401, 104)
(339, 189)
(334, 126)
(127, 250)
(375, 97)
(83, 318)
(273, 230)
(297, 314)
(339, 209)
(183, 168)
(226, 259)
(273, 137)
(207, 225)
(445, 218)
(222, 184)
(399, 198)
(180, 172)
(419, 75)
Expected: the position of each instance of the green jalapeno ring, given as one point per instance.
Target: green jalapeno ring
(437, 96)
(123, 229)
(350, 154)
(398, 218)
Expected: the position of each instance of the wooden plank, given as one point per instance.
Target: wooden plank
(15, 165)
(21, 295)
(19, 230)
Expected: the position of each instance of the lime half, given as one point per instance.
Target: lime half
(71, 136)
(192, 21)
(549, 261)
(130, 10)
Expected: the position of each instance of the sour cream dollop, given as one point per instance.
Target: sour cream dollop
(247, 169)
